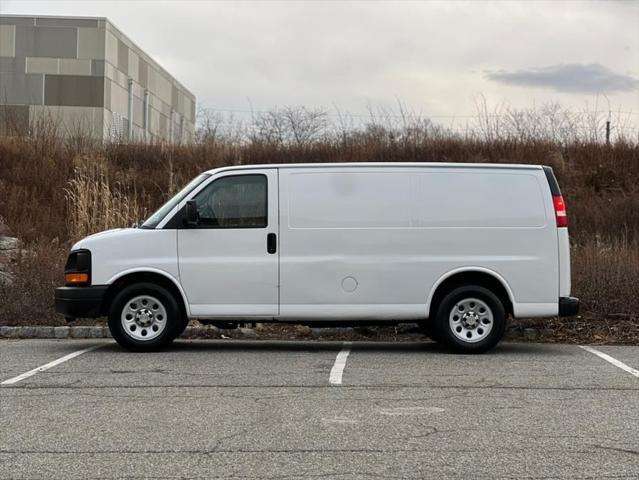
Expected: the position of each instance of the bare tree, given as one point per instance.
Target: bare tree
(209, 124)
(305, 125)
(290, 126)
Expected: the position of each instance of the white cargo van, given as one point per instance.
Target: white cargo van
(455, 247)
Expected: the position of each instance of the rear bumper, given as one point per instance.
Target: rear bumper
(568, 306)
(80, 302)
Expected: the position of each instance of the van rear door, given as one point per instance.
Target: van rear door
(229, 262)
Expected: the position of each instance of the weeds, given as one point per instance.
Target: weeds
(96, 203)
(53, 192)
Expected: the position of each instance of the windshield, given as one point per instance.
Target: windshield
(157, 217)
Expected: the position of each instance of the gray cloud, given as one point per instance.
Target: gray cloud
(434, 56)
(569, 78)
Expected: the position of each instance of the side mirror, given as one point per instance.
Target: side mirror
(191, 217)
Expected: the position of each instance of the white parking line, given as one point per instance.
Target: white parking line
(612, 360)
(49, 365)
(340, 362)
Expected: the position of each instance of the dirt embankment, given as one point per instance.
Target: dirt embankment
(53, 192)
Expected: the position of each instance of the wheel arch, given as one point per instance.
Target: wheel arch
(470, 276)
(158, 277)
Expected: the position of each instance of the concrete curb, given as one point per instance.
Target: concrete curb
(98, 331)
(210, 331)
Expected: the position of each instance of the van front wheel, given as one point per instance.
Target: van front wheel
(471, 319)
(144, 317)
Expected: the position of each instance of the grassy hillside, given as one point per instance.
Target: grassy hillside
(54, 192)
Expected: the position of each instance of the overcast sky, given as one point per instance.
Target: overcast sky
(436, 57)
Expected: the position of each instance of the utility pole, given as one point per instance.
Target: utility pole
(608, 121)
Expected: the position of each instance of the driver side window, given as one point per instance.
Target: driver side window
(235, 201)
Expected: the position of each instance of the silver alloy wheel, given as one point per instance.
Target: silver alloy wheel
(471, 320)
(143, 318)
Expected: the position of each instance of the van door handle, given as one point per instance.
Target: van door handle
(271, 243)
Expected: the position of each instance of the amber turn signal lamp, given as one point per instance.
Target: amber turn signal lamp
(76, 278)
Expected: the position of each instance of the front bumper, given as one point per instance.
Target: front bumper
(80, 302)
(568, 306)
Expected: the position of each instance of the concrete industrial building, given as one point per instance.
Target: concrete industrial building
(86, 75)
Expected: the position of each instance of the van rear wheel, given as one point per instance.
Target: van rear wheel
(471, 319)
(144, 317)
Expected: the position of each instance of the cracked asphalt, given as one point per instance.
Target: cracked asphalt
(240, 409)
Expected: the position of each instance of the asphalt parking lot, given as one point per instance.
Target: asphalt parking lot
(240, 409)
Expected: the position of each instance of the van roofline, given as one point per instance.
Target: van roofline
(380, 164)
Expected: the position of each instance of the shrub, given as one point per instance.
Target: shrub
(53, 192)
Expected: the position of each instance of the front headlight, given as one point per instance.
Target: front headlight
(77, 270)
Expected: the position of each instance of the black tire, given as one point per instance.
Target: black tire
(491, 322)
(429, 329)
(182, 327)
(170, 321)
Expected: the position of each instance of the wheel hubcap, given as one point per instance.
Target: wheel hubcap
(143, 318)
(471, 320)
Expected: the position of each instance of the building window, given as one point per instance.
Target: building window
(73, 91)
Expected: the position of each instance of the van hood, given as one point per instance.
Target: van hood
(86, 242)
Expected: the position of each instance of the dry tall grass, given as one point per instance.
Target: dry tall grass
(96, 203)
(53, 192)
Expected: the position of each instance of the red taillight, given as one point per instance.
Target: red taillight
(560, 211)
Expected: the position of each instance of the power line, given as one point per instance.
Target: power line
(413, 115)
